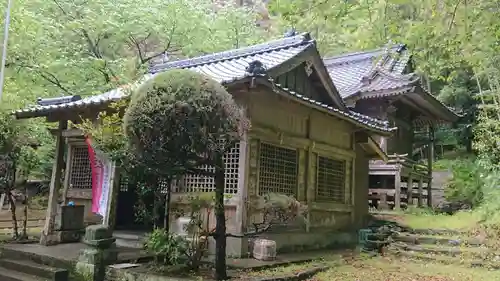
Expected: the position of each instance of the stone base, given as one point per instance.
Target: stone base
(92, 263)
(70, 236)
(98, 256)
(58, 237)
(49, 239)
(235, 247)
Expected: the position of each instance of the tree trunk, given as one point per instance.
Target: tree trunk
(166, 213)
(12, 203)
(220, 217)
(157, 202)
(24, 232)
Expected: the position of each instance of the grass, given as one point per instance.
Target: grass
(446, 161)
(398, 269)
(465, 221)
(387, 268)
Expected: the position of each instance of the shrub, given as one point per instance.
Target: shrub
(166, 247)
(179, 119)
(466, 186)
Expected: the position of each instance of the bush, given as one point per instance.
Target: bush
(466, 186)
(167, 248)
(180, 118)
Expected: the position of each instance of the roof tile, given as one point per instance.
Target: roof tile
(386, 66)
(225, 67)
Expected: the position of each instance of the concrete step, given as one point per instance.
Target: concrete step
(464, 252)
(416, 239)
(11, 275)
(129, 243)
(129, 239)
(39, 270)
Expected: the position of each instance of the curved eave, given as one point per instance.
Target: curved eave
(85, 104)
(416, 95)
(370, 124)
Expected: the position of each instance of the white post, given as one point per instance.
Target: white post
(2, 200)
(5, 42)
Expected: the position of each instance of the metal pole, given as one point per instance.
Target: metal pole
(4, 51)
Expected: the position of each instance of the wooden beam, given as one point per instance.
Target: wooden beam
(409, 190)
(67, 174)
(430, 160)
(397, 188)
(361, 137)
(72, 133)
(48, 237)
(420, 191)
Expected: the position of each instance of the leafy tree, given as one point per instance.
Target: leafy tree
(204, 122)
(17, 161)
(88, 47)
(442, 35)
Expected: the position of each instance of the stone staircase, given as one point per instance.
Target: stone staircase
(26, 270)
(439, 181)
(444, 246)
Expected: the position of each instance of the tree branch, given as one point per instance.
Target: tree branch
(452, 21)
(48, 76)
(167, 47)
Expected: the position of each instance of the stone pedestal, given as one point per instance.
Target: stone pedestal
(102, 251)
(69, 223)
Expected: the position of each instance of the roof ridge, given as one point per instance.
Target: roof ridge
(410, 77)
(369, 54)
(278, 44)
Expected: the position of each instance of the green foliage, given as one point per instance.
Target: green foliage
(203, 120)
(466, 186)
(167, 247)
(73, 47)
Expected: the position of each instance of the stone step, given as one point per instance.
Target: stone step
(479, 253)
(441, 232)
(493, 264)
(416, 239)
(31, 268)
(11, 275)
(129, 243)
(129, 239)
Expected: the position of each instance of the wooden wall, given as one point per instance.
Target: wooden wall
(283, 122)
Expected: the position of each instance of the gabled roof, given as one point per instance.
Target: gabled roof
(369, 71)
(381, 73)
(231, 67)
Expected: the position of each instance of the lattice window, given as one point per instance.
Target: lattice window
(331, 180)
(278, 169)
(196, 183)
(81, 174)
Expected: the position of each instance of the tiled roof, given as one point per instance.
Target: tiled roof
(370, 71)
(226, 67)
(355, 117)
(229, 66)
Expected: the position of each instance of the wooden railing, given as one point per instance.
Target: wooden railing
(405, 189)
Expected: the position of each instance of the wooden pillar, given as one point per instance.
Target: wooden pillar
(48, 236)
(430, 160)
(420, 195)
(67, 171)
(397, 189)
(237, 246)
(409, 190)
(2, 200)
(114, 186)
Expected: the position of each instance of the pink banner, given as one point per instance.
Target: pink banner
(96, 176)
